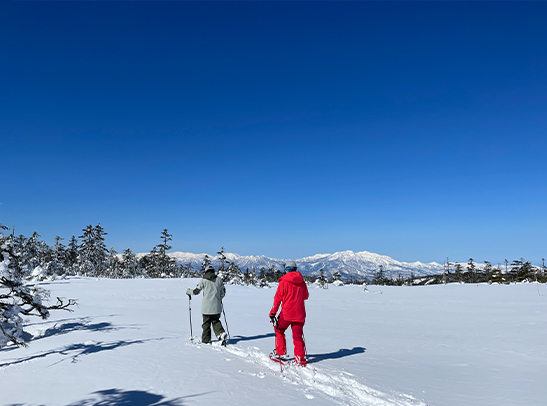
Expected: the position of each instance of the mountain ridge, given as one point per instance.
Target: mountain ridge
(350, 264)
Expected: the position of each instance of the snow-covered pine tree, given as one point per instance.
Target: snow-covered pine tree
(222, 271)
(56, 267)
(113, 265)
(71, 257)
(148, 263)
(379, 277)
(458, 272)
(248, 277)
(158, 264)
(33, 254)
(472, 269)
(446, 271)
(322, 281)
(262, 275)
(92, 251)
(185, 270)
(488, 270)
(337, 278)
(167, 264)
(130, 266)
(18, 299)
(25, 254)
(278, 274)
(235, 275)
(259, 280)
(270, 274)
(204, 264)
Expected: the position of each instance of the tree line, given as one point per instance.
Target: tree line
(516, 271)
(87, 255)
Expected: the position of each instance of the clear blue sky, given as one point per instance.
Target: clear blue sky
(414, 130)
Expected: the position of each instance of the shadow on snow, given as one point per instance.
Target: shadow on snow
(130, 397)
(83, 319)
(344, 352)
(118, 397)
(70, 325)
(75, 351)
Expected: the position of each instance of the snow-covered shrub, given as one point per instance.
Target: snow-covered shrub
(18, 299)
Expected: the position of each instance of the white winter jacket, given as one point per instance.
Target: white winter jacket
(213, 292)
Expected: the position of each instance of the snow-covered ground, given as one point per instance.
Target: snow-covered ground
(128, 344)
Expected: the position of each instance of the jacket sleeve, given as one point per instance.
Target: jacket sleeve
(222, 291)
(307, 293)
(278, 298)
(198, 288)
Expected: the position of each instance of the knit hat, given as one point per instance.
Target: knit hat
(210, 268)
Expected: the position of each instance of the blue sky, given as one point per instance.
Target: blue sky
(416, 130)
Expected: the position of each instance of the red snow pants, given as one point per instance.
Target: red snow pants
(297, 338)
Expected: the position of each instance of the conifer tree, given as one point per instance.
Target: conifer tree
(130, 265)
(379, 277)
(158, 264)
(322, 281)
(222, 270)
(113, 265)
(337, 276)
(166, 266)
(515, 268)
(471, 268)
(165, 237)
(488, 270)
(204, 264)
(235, 275)
(92, 251)
(58, 260)
(71, 257)
(458, 272)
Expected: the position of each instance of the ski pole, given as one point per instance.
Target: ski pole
(190, 309)
(304, 339)
(274, 322)
(226, 321)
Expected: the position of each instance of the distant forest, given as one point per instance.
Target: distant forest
(87, 255)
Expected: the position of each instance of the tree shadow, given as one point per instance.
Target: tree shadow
(237, 339)
(118, 397)
(73, 319)
(75, 351)
(344, 352)
(78, 326)
(75, 324)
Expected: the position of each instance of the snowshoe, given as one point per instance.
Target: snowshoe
(282, 357)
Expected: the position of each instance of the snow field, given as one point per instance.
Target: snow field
(128, 343)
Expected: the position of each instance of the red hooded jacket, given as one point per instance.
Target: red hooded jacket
(292, 291)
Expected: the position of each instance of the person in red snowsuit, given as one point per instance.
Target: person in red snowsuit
(291, 293)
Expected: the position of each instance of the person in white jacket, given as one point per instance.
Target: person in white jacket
(211, 305)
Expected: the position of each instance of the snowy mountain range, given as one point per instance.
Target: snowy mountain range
(348, 263)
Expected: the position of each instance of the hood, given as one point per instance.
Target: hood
(294, 277)
(209, 275)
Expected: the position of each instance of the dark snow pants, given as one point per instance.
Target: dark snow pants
(297, 338)
(209, 319)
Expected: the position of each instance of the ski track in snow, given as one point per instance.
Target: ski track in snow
(340, 386)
